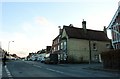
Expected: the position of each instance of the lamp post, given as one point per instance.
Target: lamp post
(9, 45)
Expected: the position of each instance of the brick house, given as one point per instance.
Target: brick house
(56, 44)
(114, 26)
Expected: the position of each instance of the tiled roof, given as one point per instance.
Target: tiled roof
(78, 33)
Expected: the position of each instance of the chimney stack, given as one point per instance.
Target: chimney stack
(105, 30)
(71, 25)
(60, 30)
(84, 26)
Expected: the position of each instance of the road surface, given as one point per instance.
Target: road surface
(24, 69)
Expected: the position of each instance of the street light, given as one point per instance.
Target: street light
(9, 45)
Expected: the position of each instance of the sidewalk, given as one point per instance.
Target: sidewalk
(99, 67)
(92, 66)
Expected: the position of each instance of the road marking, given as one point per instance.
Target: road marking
(33, 64)
(46, 68)
(37, 66)
(8, 72)
(54, 70)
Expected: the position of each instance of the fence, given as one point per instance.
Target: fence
(111, 59)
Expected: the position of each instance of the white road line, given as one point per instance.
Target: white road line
(47, 68)
(37, 66)
(54, 70)
(8, 72)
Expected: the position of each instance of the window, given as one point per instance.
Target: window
(107, 45)
(54, 48)
(65, 45)
(58, 47)
(94, 46)
(61, 45)
(65, 56)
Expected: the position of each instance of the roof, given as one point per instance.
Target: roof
(78, 33)
(114, 17)
(58, 35)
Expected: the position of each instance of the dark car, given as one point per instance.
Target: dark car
(51, 59)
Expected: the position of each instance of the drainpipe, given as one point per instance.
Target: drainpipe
(89, 51)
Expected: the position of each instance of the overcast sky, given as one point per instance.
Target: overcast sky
(33, 24)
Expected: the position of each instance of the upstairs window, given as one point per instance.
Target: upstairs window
(94, 46)
(58, 47)
(54, 48)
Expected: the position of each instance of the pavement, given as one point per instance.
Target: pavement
(101, 68)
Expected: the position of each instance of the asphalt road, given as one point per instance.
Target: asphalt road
(36, 69)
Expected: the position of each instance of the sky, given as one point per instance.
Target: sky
(33, 24)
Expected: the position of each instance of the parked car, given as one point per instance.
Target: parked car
(51, 59)
(42, 60)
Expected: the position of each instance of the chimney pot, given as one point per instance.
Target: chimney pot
(105, 30)
(60, 30)
(71, 25)
(84, 26)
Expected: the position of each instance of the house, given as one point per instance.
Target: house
(81, 44)
(48, 49)
(1, 53)
(32, 56)
(114, 26)
(56, 45)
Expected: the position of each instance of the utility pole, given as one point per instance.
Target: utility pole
(9, 45)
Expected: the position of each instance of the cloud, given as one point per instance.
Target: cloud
(32, 36)
(42, 21)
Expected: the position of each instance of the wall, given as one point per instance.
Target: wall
(78, 50)
(101, 47)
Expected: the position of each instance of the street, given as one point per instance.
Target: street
(21, 68)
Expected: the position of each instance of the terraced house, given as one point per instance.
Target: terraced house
(56, 45)
(114, 26)
(82, 45)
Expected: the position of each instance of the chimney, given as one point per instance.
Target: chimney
(84, 26)
(71, 25)
(60, 30)
(105, 30)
